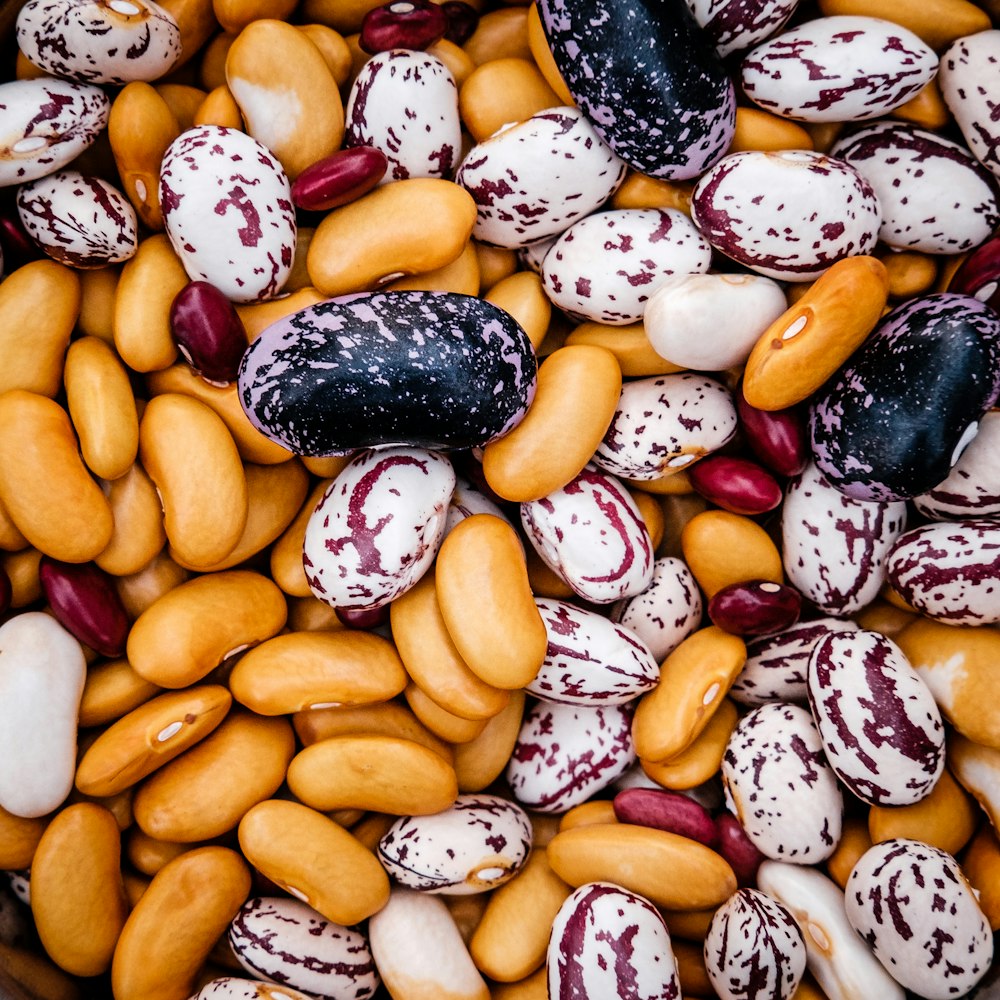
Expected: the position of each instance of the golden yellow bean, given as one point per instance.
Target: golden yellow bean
(22, 571)
(501, 92)
(235, 15)
(590, 813)
(98, 286)
(140, 589)
(629, 344)
(702, 758)
(854, 841)
(196, 21)
(138, 534)
(760, 130)
(926, 109)
(112, 689)
(481, 760)
(287, 570)
(148, 855)
(495, 263)
(332, 47)
(539, 46)
(442, 723)
(937, 22)
(500, 34)
(220, 108)
(640, 191)
(344, 16)
(19, 837)
(524, 298)
(981, 865)
(461, 276)
(721, 548)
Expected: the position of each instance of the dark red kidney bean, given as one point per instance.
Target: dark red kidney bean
(463, 20)
(208, 332)
(402, 24)
(736, 484)
(86, 603)
(363, 617)
(979, 274)
(755, 607)
(339, 178)
(778, 438)
(734, 845)
(665, 810)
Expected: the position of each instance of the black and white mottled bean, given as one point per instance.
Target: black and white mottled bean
(777, 665)
(378, 527)
(430, 369)
(780, 786)
(605, 267)
(834, 548)
(479, 843)
(564, 754)
(533, 180)
(610, 943)
(787, 215)
(78, 220)
(950, 570)
(881, 728)
(935, 196)
(754, 949)
(895, 420)
(99, 41)
(46, 123)
(227, 208)
(913, 905)
(592, 535)
(844, 68)
(667, 611)
(647, 78)
(287, 942)
(664, 424)
(737, 25)
(590, 660)
(405, 103)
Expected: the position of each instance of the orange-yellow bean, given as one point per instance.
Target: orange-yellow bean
(760, 130)
(629, 344)
(220, 108)
(460, 276)
(503, 91)
(332, 47)
(196, 21)
(926, 108)
(641, 191)
(854, 841)
(456, 59)
(112, 689)
(500, 34)
(444, 724)
(19, 838)
(702, 758)
(590, 813)
(495, 263)
(138, 533)
(523, 297)
(98, 286)
(481, 760)
(287, 570)
(721, 548)
(539, 46)
(147, 854)
(140, 589)
(183, 101)
(981, 865)
(533, 987)
(937, 22)
(22, 570)
(235, 15)
(344, 16)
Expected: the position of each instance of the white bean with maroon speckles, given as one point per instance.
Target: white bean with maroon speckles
(466, 500)
(780, 787)
(664, 424)
(837, 69)
(611, 943)
(46, 123)
(378, 527)
(592, 535)
(227, 207)
(935, 196)
(880, 726)
(234, 988)
(667, 611)
(787, 215)
(754, 949)
(534, 179)
(480, 843)
(736, 25)
(950, 570)
(968, 80)
(913, 905)
(778, 665)
(604, 267)
(834, 548)
(405, 103)
(564, 754)
(287, 941)
(78, 220)
(91, 41)
(590, 660)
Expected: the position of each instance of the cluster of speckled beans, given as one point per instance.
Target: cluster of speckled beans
(377, 654)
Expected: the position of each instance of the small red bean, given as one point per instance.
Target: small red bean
(755, 607)
(86, 603)
(342, 177)
(735, 847)
(363, 617)
(777, 437)
(463, 20)
(979, 274)
(402, 24)
(664, 810)
(208, 332)
(736, 484)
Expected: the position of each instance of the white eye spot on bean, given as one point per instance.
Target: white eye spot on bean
(770, 588)
(403, 7)
(796, 328)
(326, 704)
(235, 650)
(984, 294)
(172, 730)
(795, 156)
(710, 694)
(29, 144)
(297, 893)
(123, 7)
(140, 191)
(489, 874)
(391, 277)
(819, 936)
(964, 441)
(680, 461)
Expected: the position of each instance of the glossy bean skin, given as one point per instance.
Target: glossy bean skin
(664, 810)
(84, 600)
(777, 437)
(755, 607)
(208, 332)
(736, 485)
(413, 24)
(339, 178)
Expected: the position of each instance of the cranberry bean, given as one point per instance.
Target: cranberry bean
(736, 484)
(777, 437)
(978, 275)
(756, 607)
(208, 331)
(339, 178)
(84, 600)
(663, 810)
(403, 24)
(737, 848)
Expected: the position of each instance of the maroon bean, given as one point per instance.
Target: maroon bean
(339, 178)
(664, 810)
(755, 607)
(363, 617)
(208, 332)
(979, 274)
(6, 591)
(86, 603)
(402, 24)
(463, 20)
(736, 484)
(777, 437)
(736, 848)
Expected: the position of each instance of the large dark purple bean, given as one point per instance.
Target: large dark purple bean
(736, 484)
(339, 178)
(979, 274)
(664, 810)
(755, 607)
(86, 603)
(778, 438)
(402, 24)
(208, 332)
(735, 846)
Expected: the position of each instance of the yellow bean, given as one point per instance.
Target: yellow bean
(759, 130)
(481, 760)
(591, 813)
(721, 548)
(235, 15)
(220, 108)
(140, 589)
(112, 689)
(138, 534)
(196, 21)
(702, 758)
(503, 91)
(98, 286)
(19, 837)
(854, 841)
(332, 47)
(444, 724)
(640, 191)
(287, 570)
(630, 346)
(542, 54)
(937, 22)
(500, 34)
(524, 298)
(981, 865)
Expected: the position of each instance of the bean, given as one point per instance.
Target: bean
(668, 811)
(403, 24)
(339, 178)
(736, 485)
(208, 331)
(755, 607)
(84, 600)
